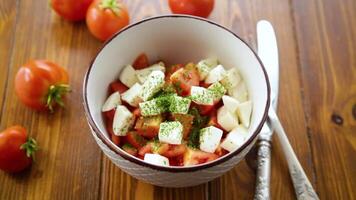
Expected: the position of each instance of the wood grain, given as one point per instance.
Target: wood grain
(327, 55)
(318, 83)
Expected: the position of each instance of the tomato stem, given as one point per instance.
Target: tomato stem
(30, 147)
(110, 4)
(55, 95)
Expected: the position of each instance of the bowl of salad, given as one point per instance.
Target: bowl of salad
(176, 100)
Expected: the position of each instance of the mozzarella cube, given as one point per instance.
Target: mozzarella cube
(111, 102)
(209, 139)
(204, 67)
(235, 139)
(143, 74)
(152, 85)
(132, 95)
(239, 92)
(171, 132)
(128, 76)
(244, 111)
(156, 159)
(123, 121)
(179, 105)
(230, 103)
(227, 119)
(150, 108)
(216, 74)
(201, 95)
(231, 78)
(218, 90)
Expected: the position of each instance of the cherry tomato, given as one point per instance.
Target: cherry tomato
(201, 8)
(71, 10)
(16, 149)
(106, 17)
(41, 84)
(141, 62)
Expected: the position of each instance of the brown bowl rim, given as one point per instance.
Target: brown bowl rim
(140, 162)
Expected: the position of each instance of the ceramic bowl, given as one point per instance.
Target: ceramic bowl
(174, 39)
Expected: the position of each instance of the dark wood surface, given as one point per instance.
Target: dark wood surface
(317, 44)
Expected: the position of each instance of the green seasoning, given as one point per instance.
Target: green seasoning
(179, 105)
(218, 90)
(171, 132)
(198, 123)
(150, 108)
(201, 95)
(152, 85)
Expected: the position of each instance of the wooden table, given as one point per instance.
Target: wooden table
(317, 43)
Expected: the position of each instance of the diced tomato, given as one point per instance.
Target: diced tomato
(186, 120)
(213, 121)
(115, 139)
(184, 78)
(141, 62)
(203, 84)
(135, 139)
(205, 109)
(118, 86)
(171, 69)
(194, 157)
(170, 150)
(129, 149)
(148, 126)
(145, 149)
(109, 115)
(176, 161)
(136, 112)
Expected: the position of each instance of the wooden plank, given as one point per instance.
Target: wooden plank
(116, 184)
(7, 28)
(242, 17)
(326, 39)
(68, 164)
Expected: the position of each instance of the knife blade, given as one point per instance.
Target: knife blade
(268, 53)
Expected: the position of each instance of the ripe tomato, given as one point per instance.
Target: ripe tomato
(184, 78)
(141, 62)
(186, 120)
(106, 17)
(148, 127)
(194, 157)
(213, 121)
(71, 10)
(145, 149)
(201, 8)
(170, 150)
(135, 139)
(171, 69)
(117, 86)
(41, 84)
(16, 149)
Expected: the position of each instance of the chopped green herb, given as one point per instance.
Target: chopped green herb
(198, 122)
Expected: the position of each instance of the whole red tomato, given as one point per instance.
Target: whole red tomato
(41, 84)
(201, 8)
(106, 17)
(16, 149)
(72, 10)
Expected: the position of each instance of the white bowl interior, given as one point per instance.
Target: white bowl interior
(175, 40)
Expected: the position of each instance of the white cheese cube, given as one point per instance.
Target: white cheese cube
(216, 74)
(201, 95)
(244, 111)
(150, 108)
(218, 90)
(143, 74)
(156, 159)
(123, 121)
(179, 105)
(228, 120)
(171, 132)
(152, 85)
(128, 76)
(209, 139)
(132, 95)
(235, 138)
(231, 78)
(111, 102)
(204, 67)
(239, 92)
(230, 103)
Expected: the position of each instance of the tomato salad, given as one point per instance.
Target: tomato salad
(179, 115)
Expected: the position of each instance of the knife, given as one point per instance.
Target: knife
(268, 52)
